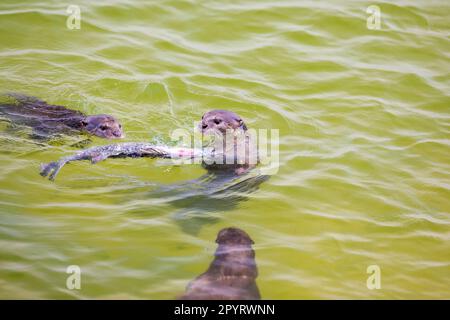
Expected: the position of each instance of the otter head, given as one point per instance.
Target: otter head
(103, 126)
(220, 121)
(233, 236)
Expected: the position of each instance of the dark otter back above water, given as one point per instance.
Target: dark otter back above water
(46, 119)
(232, 273)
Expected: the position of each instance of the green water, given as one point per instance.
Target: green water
(364, 145)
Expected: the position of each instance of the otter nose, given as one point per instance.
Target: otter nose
(119, 134)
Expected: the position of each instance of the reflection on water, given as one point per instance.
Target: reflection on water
(199, 199)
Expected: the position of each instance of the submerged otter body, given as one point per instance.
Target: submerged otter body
(232, 274)
(46, 119)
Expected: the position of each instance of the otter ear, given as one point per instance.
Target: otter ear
(242, 124)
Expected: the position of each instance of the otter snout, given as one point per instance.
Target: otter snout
(118, 134)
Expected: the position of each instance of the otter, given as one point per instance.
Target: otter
(217, 123)
(232, 273)
(47, 119)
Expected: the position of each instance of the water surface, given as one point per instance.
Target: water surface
(364, 146)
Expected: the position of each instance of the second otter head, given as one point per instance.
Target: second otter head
(220, 121)
(233, 236)
(103, 126)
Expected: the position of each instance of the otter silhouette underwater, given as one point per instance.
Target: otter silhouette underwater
(46, 120)
(233, 272)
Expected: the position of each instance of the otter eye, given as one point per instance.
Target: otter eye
(217, 121)
(103, 127)
(204, 126)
